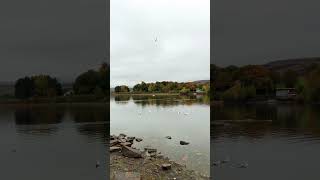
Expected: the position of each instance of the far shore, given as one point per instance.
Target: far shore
(256, 102)
(146, 94)
(56, 100)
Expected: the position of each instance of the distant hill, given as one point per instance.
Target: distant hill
(298, 65)
(201, 81)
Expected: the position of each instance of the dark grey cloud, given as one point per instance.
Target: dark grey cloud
(182, 52)
(256, 32)
(56, 37)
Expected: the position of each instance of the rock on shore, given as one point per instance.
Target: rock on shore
(129, 163)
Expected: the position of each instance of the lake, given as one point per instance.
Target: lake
(154, 118)
(280, 141)
(53, 141)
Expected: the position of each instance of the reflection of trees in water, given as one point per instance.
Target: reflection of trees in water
(124, 98)
(40, 130)
(289, 118)
(240, 112)
(42, 119)
(38, 115)
(93, 118)
(95, 131)
(90, 113)
(157, 102)
(168, 100)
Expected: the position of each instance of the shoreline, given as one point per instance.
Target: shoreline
(264, 102)
(56, 100)
(129, 162)
(146, 94)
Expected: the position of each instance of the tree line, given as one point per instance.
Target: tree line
(234, 83)
(92, 82)
(165, 87)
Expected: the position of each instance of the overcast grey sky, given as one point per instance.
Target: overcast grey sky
(256, 32)
(182, 52)
(57, 37)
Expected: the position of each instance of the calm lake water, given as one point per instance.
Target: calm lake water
(53, 142)
(154, 118)
(280, 142)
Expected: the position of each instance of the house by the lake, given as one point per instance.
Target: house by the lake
(199, 91)
(286, 93)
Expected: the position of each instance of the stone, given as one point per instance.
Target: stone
(130, 139)
(113, 137)
(168, 137)
(114, 142)
(150, 150)
(153, 154)
(122, 135)
(184, 143)
(131, 152)
(126, 144)
(166, 166)
(138, 139)
(115, 148)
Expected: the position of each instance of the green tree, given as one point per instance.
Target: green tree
(86, 82)
(24, 88)
(290, 78)
(184, 90)
(122, 89)
(46, 86)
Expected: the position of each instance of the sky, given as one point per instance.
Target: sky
(256, 32)
(159, 40)
(56, 37)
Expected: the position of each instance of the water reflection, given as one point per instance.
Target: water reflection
(305, 118)
(161, 100)
(273, 137)
(59, 140)
(122, 98)
(39, 115)
(154, 117)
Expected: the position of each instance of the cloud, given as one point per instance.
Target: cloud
(182, 50)
(60, 38)
(256, 32)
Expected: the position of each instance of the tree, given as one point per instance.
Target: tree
(122, 89)
(137, 88)
(206, 88)
(104, 80)
(184, 90)
(46, 86)
(152, 87)
(39, 85)
(24, 88)
(290, 78)
(86, 82)
(90, 81)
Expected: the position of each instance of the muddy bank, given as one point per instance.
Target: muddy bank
(127, 162)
